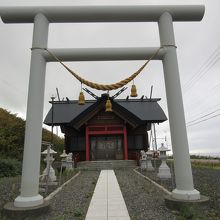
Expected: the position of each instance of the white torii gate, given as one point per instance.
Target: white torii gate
(41, 17)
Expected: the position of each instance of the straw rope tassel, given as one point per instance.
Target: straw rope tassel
(81, 97)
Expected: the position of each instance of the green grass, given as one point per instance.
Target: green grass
(206, 164)
(202, 163)
(190, 213)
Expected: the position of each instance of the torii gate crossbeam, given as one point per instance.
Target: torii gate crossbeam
(41, 17)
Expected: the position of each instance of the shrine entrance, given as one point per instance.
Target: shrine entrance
(106, 142)
(106, 148)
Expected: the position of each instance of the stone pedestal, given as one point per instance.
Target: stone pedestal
(164, 170)
(149, 154)
(143, 164)
(149, 164)
(48, 175)
(69, 161)
(143, 160)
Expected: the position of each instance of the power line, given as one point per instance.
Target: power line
(212, 90)
(196, 76)
(215, 53)
(198, 103)
(214, 116)
(203, 116)
(201, 75)
(212, 107)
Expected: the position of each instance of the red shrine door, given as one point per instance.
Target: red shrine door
(107, 142)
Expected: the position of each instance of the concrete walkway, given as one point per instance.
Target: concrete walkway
(107, 201)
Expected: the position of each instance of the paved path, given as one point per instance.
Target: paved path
(107, 201)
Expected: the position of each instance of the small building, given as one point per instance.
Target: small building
(94, 134)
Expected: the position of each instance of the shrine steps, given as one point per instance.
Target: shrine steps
(108, 164)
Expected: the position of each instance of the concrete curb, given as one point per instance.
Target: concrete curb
(153, 182)
(49, 197)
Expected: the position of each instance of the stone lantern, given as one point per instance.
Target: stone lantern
(66, 160)
(149, 157)
(164, 170)
(69, 161)
(49, 174)
(143, 160)
(63, 156)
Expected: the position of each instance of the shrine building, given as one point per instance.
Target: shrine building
(96, 134)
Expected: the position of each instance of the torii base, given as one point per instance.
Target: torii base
(13, 212)
(186, 205)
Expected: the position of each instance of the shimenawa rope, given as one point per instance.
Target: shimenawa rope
(102, 86)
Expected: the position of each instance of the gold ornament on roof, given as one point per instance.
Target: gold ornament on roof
(133, 91)
(108, 106)
(81, 98)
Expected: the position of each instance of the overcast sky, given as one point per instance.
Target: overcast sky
(198, 50)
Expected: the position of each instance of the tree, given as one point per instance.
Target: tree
(12, 129)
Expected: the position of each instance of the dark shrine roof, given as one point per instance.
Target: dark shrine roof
(146, 110)
(65, 112)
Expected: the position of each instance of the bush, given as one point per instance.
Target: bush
(9, 167)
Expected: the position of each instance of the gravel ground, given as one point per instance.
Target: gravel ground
(10, 186)
(71, 202)
(168, 184)
(144, 201)
(207, 181)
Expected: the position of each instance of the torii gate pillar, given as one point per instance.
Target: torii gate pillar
(33, 129)
(182, 165)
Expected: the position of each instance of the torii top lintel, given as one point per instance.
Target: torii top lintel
(136, 13)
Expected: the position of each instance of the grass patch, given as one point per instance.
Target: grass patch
(201, 163)
(9, 167)
(66, 175)
(209, 164)
(190, 213)
(89, 195)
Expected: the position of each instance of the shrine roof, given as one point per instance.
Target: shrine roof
(65, 112)
(144, 109)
